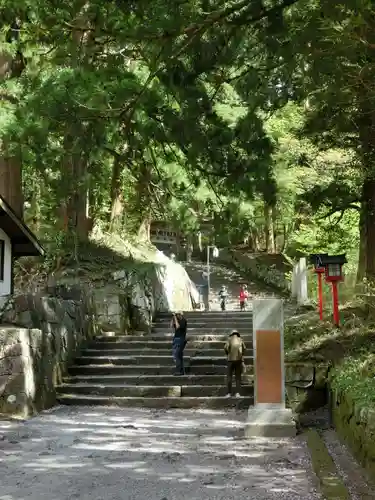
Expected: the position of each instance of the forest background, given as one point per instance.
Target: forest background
(254, 115)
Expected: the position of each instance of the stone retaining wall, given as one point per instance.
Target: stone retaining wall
(129, 298)
(356, 427)
(306, 390)
(40, 336)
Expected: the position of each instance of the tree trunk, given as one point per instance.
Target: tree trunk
(77, 206)
(11, 166)
(368, 208)
(366, 124)
(274, 226)
(267, 222)
(35, 214)
(361, 268)
(287, 231)
(269, 229)
(368, 255)
(11, 182)
(189, 247)
(145, 201)
(249, 240)
(74, 168)
(117, 205)
(254, 240)
(75, 164)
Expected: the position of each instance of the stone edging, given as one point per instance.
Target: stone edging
(331, 483)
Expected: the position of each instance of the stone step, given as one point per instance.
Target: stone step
(145, 402)
(203, 380)
(222, 330)
(138, 369)
(111, 369)
(207, 314)
(237, 317)
(152, 391)
(144, 353)
(211, 315)
(165, 344)
(228, 325)
(226, 316)
(203, 337)
(150, 360)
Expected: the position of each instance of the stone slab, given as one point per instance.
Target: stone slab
(110, 369)
(138, 379)
(153, 391)
(149, 402)
(270, 422)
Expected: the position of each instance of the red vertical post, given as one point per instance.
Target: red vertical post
(335, 299)
(320, 295)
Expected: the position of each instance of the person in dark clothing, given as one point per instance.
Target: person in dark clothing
(234, 349)
(179, 325)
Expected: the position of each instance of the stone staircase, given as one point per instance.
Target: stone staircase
(137, 370)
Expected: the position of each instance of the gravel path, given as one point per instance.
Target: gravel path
(113, 454)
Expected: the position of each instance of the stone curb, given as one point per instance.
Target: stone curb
(331, 483)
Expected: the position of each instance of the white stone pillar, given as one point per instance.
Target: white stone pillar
(302, 297)
(295, 281)
(299, 282)
(269, 417)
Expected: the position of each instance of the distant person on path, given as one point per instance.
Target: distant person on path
(179, 325)
(234, 349)
(244, 294)
(223, 295)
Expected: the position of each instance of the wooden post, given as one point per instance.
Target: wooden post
(320, 295)
(335, 303)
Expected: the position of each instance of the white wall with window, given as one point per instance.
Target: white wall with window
(5, 264)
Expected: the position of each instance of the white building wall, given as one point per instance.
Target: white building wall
(6, 283)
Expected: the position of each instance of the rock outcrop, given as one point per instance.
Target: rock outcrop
(137, 294)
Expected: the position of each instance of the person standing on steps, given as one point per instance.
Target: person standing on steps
(234, 349)
(243, 297)
(223, 295)
(179, 325)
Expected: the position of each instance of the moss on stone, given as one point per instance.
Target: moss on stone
(324, 467)
(355, 425)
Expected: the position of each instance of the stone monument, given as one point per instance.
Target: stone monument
(269, 417)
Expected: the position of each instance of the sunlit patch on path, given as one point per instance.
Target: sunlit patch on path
(111, 454)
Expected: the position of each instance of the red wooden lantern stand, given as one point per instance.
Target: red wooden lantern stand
(319, 269)
(333, 274)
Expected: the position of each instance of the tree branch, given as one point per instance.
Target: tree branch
(262, 14)
(341, 209)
